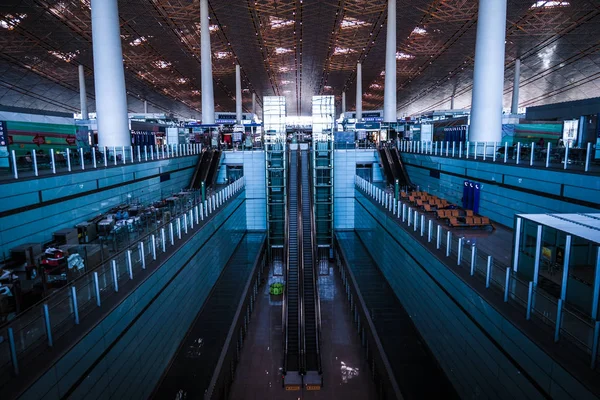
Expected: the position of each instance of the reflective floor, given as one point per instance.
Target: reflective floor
(345, 374)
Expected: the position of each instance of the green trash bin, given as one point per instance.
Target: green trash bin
(276, 289)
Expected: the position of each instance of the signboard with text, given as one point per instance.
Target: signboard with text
(368, 126)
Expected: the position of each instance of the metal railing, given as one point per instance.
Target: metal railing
(317, 297)
(39, 327)
(224, 374)
(381, 370)
(37, 163)
(524, 154)
(499, 278)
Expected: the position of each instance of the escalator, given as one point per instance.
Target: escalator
(213, 170)
(291, 320)
(388, 168)
(310, 328)
(196, 178)
(401, 174)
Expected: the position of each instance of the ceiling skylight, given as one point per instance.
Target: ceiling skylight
(350, 22)
(419, 31)
(138, 41)
(403, 56)
(342, 50)
(281, 50)
(222, 55)
(277, 23)
(550, 4)
(68, 57)
(10, 21)
(161, 64)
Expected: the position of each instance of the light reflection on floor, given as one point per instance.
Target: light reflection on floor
(195, 349)
(348, 372)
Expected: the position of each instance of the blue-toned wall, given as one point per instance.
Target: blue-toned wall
(506, 190)
(344, 171)
(254, 166)
(124, 356)
(58, 202)
(483, 354)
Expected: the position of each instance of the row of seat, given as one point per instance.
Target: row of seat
(454, 213)
(468, 221)
(426, 201)
(456, 217)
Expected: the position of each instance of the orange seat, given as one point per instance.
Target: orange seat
(453, 221)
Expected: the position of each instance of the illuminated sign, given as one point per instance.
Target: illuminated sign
(570, 129)
(368, 126)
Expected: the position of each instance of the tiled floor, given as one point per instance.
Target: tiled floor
(345, 374)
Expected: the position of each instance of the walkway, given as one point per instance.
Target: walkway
(345, 374)
(194, 363)
(416, 370)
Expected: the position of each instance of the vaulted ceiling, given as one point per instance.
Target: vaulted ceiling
(296, 49)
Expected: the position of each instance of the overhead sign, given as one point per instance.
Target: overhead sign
(368, 126)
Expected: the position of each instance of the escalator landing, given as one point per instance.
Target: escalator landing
(346, 374)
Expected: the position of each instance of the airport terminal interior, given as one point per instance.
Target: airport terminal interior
(299, 199)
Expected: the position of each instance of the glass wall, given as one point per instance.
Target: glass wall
(274, 114)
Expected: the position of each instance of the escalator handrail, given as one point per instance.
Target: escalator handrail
(197, 171)
(286, 269)
(401, 165)
(301, 320)
(316, 296)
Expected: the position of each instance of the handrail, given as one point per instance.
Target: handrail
(286, 258)
(89, 272)
(302, 327)
(504, 282)
(62, 308)
(379, 359)
(522, 154)
(215, 388)
(316, 296)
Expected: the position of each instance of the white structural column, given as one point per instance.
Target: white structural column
(488, 77)
(109, 75)
(389, 94)
(254, 103)
(514, 109)
(452, 102)
(208, 99)
(358, 91)
(83, 94)
(343, 102)
(145, 106)
(238, 94)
